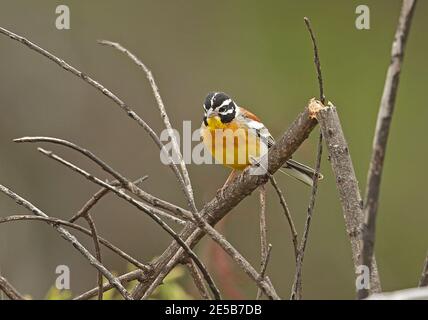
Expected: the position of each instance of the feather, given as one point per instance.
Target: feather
(300, 172)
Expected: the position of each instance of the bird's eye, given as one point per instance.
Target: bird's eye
(222, 109)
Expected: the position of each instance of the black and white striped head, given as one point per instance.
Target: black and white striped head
(221, 105)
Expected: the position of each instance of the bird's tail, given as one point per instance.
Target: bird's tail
(300, 172)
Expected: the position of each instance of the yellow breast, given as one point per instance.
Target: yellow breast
(230, 144)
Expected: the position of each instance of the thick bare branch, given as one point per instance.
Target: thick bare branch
(380, 140)
(236, 191)
(346, 181)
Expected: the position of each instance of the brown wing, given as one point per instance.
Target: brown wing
(267, 138)
(249, 114)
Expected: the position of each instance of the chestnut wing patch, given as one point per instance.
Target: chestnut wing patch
(254, 123)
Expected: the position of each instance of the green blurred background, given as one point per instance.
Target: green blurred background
(261, 54)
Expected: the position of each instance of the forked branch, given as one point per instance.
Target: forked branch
(70, 238)
(237, 190)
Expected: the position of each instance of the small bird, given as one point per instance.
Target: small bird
(222, 115)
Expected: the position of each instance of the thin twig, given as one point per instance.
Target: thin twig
(287, 214)
(263, 231)
(126, 108)
(198, 280)
(74, 226)
(316, 60)
(164, 116)
(92, 202)
(297, 285)
(125, 278)
(151, 212)
(104, 191)
(264, 265)
(263, 226)
(124, 182)
(424, 277)
(97, 197)
(380, 140)
(70, 238)
(10, 290)
(96, 240)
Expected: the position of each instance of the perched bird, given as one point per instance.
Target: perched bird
(223, 116)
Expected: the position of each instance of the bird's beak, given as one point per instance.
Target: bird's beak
(211, 113)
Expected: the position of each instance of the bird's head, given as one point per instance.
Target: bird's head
(219, 108)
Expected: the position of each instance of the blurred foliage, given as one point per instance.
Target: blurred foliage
(58, 294)
(172, 287)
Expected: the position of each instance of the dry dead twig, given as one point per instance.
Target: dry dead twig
(125, 278)
(187, 183)
(151, 212)
(126, 108)
(198, 280)
(263, 232)
(10, 290)
(297, 284)
(123, 182)
(287, 214)
(264, 265)
(107, 244)
(380, 140)
(70, 238)
(424, 277)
